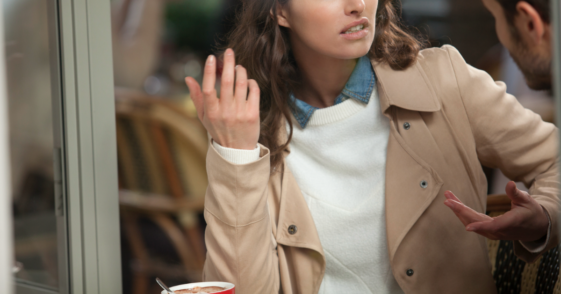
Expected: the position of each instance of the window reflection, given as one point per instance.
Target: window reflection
(29, 63)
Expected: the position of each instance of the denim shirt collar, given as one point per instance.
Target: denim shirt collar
(359, 86)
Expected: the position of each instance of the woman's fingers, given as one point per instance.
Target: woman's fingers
(196, 96)
(209, 81)
(228, 75)
(253, 99)
(241, 87)
(233, 120)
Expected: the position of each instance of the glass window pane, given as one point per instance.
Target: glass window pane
(29, 72)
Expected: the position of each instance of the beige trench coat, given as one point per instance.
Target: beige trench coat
(460, 118)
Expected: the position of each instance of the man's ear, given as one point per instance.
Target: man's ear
(282, 15)
(529, 23)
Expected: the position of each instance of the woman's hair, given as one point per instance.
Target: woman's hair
(263, 48)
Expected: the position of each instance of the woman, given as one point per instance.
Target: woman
(361, 136)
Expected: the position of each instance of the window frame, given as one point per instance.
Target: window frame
(6, 226)
(90, 157)
(556, 16)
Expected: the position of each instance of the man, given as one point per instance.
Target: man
(524, 29)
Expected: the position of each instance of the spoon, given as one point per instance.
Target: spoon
(164, 286)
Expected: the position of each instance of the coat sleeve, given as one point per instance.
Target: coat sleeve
(513, 139)
(240, 248)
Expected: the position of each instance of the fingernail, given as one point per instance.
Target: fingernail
(210, 60)
(449, 204)
(468, 228)
(237, 66)
(229, 51)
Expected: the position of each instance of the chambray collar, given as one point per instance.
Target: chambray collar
(359, 87)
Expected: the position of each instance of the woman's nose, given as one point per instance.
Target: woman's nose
(354, 7)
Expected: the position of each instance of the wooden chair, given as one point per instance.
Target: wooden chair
(513, 275)
(162, 179)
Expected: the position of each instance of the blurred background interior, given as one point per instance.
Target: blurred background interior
(161, 143)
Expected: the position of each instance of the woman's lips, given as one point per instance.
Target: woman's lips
(363, 21)
(355, 35)
(350, 32)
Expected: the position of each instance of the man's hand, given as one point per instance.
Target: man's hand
(526, 221)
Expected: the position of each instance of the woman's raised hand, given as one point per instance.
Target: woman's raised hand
(233, 120)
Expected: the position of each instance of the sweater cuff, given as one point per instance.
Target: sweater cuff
(539, 245)
(237, 156)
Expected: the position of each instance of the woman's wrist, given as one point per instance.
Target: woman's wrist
(237, 156)
(238, 146)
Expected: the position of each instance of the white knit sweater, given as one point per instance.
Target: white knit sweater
(339, 162)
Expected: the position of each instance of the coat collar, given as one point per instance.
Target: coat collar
(359, 86)
(393, 90)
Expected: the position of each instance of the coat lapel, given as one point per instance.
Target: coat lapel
(294, 211)
(293, 207)
(411, 183)
(408, 89)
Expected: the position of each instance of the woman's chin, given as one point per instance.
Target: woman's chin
(352, 52)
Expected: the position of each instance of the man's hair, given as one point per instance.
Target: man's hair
(541, 6)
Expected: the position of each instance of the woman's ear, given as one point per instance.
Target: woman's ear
(529, 23)
(282, 15)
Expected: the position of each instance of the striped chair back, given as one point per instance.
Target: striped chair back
(162, 179)
(161, 149)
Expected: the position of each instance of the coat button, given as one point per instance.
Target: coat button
(406, 126)
(292, 229)
(409, 272)
(424, 184)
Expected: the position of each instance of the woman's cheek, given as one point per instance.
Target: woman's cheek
(319, 34)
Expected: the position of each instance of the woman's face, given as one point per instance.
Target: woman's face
(342, 29)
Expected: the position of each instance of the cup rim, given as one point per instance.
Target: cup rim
(227, 286)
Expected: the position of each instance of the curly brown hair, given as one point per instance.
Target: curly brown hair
(263, 48)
